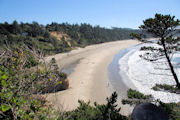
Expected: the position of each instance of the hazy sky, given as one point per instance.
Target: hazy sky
(106, 13)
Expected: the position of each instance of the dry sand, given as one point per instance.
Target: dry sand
(89, 80)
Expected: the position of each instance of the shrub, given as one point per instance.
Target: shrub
(130, 102)
(108, 111)
(172, 109)
(31, 62)
(17, 85)
(137, 95)
(165, 87)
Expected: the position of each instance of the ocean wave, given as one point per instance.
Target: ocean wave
(144, 75)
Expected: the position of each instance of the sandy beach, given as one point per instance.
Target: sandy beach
(89, 80)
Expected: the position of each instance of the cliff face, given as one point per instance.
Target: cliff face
(62, 37)
(59, 35)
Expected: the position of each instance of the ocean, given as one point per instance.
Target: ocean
(128, 70)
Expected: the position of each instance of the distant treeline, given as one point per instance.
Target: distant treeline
(88, 34)
(38, 36)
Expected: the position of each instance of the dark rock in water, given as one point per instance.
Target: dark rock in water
(148, 111)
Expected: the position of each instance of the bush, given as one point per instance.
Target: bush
(130, 102)
(137, 95)
(19, 83)
(135, 98)
(165, 87)
(108, 111)
(16, 103)
(31, 62)
(172, 109)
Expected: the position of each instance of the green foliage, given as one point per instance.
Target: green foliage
(15, 104)
(31, 62)
(107, 111)
(163, 27)
(84, 112)
(37, 37)
(137, 95)
(130, 102)
(144, 48)
(160, 25)
(34, 36)
(86, 34)
(169, 88)
(134, 35)
(135, 98)
(18, 83)
(172, 109)
(110, 110)
(5, 107)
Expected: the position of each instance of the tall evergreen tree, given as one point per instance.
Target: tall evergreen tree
(164, 28)
(15, 27)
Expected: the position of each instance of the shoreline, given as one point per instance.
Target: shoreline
(118, 78)
(89, 80)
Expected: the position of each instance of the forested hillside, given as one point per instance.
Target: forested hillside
(40, 38)
(85, 34)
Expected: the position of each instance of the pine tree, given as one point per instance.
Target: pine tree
(164, 28)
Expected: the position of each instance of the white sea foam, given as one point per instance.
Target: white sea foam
(145, 75)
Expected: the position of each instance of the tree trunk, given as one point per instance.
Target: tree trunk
(170, 64)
